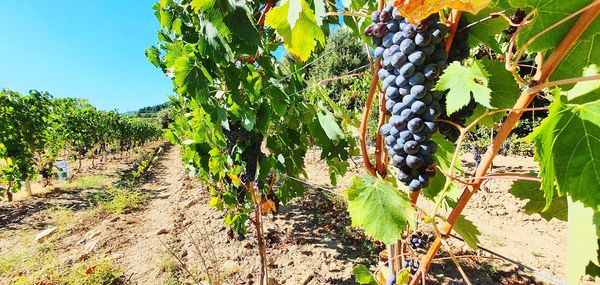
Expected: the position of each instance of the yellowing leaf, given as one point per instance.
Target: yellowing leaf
(267, 206)
(235, 180)
(417, 10)
(296, 23)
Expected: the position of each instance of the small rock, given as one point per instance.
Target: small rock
(44, 234)
(162, 232)
(248, 245)
(270, 261)
(230, 267)
(273, 281)
(307, 277)
(114, 219)
(249, 276)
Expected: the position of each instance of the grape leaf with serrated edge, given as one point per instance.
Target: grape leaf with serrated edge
(464, 82)
(568, 150)
(530, 190)
(381, 210)
(468, 231)
(582, 244)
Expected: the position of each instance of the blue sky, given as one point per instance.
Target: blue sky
(85, 49)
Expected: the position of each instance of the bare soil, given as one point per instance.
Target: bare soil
(310, 239)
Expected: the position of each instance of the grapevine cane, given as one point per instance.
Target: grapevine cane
(524, 100)
(453, 20)
(365, 117)
(268, 7)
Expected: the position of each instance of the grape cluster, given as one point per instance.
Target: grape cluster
(419, 240)
(459, 50)
(460, 117)
(412, 264)
(412, 58)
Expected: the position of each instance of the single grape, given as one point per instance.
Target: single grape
(416, 79)
(407, 46)
(407, 69)
(411, 147)
(385, 129)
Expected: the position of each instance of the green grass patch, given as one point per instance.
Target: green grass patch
(87, 182)
(121, 200)
(39, 265)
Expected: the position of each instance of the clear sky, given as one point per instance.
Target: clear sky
(78, 48)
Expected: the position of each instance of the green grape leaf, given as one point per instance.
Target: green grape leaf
(536, 204)
(505, 90)
(443, 158)
(586, 91)
(468, 231)
(380, 209)
(363, 275)
(568, 149)
(200, 6)
(484, 32)
(464, 81)
(547, 13)
(578, 59)
(320, 11)
(296, 23)
(330, 126)
(238, 21)
(582, 244)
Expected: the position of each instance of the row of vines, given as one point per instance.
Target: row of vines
(36, 130)
(439, 71)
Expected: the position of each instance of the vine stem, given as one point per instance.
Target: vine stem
(365, 118)
(268, 7)
(453, 20)
(537, 88)
(511, 120)
(346, 13)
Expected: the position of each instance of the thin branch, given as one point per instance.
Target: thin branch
(452, 24)
(462, 272)
(268, 7)
(365, 119)
(509, 20)
(459, 127)
(346, 13)
(508, 176)
(379, 158)
(542, 86)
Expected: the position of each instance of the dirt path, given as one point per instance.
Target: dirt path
(138, 244)
(177, 238)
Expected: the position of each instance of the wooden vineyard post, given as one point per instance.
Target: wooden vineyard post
(509, 123)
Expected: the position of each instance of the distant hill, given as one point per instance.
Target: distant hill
(148, 111)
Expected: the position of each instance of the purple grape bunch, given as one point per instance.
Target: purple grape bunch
(459, 50)
(412, 265)
(412, 58)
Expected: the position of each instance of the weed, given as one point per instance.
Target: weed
(92, 272)
(120, 200)
(86, 182)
